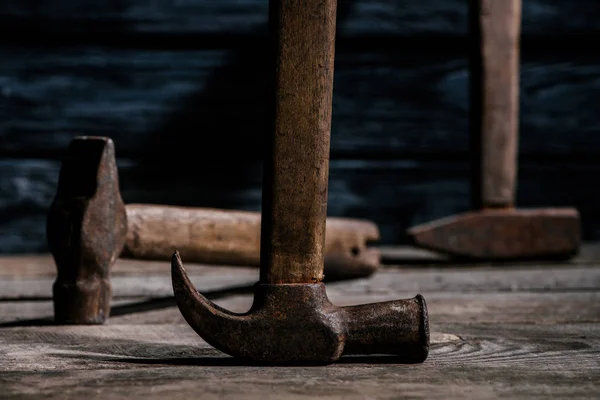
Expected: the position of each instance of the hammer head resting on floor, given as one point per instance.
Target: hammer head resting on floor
(296, 323)
(86, 229)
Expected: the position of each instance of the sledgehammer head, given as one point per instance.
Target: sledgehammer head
(86, 230)
(296, 323)
(503, 234)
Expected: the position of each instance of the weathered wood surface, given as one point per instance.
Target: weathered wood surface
(520, 331)
(494, 100)
(380, 17)
(390, 103)
(180, 87)
(509, 308)
(134, 279)
(394, 194)
(158, 361)
(154, 361)
(129, 278)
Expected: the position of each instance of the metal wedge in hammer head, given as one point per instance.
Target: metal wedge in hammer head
(495, 230)
(86, 229)
(291, 319)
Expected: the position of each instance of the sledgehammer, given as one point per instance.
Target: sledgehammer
(496, 230)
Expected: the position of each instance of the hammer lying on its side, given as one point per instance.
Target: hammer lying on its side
(89, 226)
(496, 230)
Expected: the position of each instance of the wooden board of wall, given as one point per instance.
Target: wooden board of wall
(179, 86)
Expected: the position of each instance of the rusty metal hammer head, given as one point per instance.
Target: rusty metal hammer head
(86, 230)
(291, 320)
(296, 323)
(503, 234)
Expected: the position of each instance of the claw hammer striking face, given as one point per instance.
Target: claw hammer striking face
(291, 319)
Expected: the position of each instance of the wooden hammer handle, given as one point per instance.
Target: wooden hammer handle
(225, 237)
(495, 29)
(296, 168)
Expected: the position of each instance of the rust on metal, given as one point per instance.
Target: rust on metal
(495, 230)
(503, 234)
(86, 229)
(88, 225)
(291, 320)
(296, 323)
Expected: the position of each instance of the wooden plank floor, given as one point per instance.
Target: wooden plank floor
(498, 331)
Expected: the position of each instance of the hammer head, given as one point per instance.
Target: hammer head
(86, 230)
(296, 323)
(503, 234)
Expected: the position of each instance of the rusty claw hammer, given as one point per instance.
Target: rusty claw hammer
(291, 319)
(496, 230)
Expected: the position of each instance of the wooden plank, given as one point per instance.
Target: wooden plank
(394, 194)
(386, 104)
(42, 266)
(520, 332)
(406, 255)
(387, 284)
(444, 308)
(359, 17)
(483, 279)
(475, 309)
(36, 313)
(124, 287)
(126, 279)
(153, 361)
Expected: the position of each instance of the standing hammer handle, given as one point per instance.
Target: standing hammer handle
(495, 29)
(297, 163)
(228, 237)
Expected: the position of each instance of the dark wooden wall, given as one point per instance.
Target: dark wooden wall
(178, 84)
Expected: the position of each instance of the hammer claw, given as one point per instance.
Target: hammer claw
(296, 323)
(274, 330)
(213, 323)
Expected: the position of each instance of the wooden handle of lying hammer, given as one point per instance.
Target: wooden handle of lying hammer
(495, 32)
(227, 237)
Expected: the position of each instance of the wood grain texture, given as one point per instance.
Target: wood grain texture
(182, 82)
(389, 283)
(380, 17)
(494, 101)
(199, 235)
(128, 286)
(42, 265)
(39, 274)
(226, 237)
(296, 165)
(472, 309)
(393, 103)
(394, 194)
(152, 361)
(41, 312)
(497, 332)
